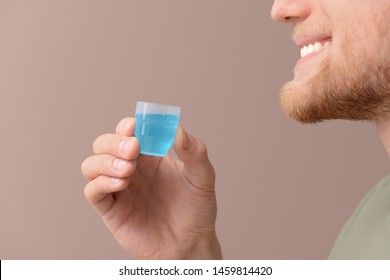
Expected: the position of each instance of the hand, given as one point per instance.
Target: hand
(156, 208)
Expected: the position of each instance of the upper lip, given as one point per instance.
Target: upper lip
(305, 40)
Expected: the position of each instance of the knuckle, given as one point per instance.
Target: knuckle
(119, 125)
(84, 165)
(93, 188)
(87, 193)
(97, 143)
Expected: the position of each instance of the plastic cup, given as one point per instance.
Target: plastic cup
(156, 126)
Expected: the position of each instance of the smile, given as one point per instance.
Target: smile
(312, 45)
(314, 48)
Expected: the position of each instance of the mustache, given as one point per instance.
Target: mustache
(307, 29)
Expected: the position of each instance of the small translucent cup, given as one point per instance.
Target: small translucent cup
(156, 126)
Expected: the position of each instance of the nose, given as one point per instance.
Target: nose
(290, 11)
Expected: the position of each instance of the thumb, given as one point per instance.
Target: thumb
(193, 153)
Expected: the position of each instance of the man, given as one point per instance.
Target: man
(165, 208)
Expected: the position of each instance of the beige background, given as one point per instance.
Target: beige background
(70, 70)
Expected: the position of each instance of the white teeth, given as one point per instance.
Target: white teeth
(317, 47)
(310, 48)
(314, 48)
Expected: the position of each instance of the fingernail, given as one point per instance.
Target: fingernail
(124, 146)
(115, 181)
(119, 164)
(187, 142)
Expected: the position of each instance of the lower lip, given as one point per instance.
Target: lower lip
(308, 57)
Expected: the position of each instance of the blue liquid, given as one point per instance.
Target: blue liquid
(156, 133)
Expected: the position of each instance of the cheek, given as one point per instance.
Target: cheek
(352, 42)
(364, 35)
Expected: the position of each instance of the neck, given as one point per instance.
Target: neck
(384, 132)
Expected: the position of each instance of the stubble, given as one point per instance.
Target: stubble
(355, 86)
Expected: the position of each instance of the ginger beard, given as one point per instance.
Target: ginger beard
(353, 86)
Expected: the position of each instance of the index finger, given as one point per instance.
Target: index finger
(126, 127)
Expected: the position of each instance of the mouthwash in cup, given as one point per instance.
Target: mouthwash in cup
(156, 126)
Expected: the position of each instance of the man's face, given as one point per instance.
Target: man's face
(344, 70)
